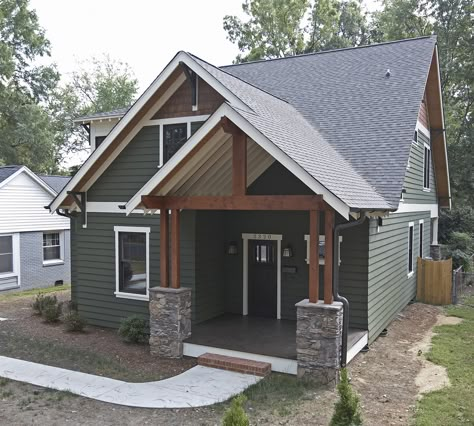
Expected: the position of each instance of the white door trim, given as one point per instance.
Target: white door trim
(245, 283)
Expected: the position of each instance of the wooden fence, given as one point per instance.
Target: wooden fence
(434, 281)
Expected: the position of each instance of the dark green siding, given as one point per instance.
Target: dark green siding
(353, 273)
(133, 167)
(414, 175)
(389, 287)
(93, 265)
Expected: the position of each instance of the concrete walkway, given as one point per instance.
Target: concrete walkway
(196, 387)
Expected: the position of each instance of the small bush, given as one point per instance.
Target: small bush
(134, 329)
(235, 415)
(73, 321)
(347, 409)
(51, 312)
(42, 302)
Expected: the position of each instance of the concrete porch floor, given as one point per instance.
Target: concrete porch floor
(256, 335)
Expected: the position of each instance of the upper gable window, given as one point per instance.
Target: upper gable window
(174, 137)
(174, 132)
(415, 137)
(426, 167)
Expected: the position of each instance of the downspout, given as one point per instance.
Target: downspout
(335, 284)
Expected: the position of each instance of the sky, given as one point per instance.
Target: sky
(146, 34)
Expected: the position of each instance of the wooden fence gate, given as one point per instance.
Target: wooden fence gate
(434, 281)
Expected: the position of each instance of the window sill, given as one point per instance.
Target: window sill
(132, 296)
(53, 262)
(8, 275)
(410, 274)
(427, 189)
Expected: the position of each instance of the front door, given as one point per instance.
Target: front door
(262, 278)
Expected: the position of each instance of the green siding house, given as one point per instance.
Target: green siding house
(271, 210)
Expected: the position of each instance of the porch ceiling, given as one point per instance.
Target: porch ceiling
(210, 170)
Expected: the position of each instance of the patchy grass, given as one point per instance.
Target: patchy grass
(60, 355)
(453, 348)
(34, 292)
(278, 393)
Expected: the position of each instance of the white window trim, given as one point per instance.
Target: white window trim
(16, 258)
(59, 261)
(421, 224)
(322, 238)
(410, 273)
(245, 267)
(426, 146)
(175, 120)
(125, 295)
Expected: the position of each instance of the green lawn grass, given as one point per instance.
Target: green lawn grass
(453, 348)
(34, 292)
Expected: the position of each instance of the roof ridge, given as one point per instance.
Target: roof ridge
(238, 78)
(329, 51)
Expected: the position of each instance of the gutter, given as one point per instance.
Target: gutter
(335, 284)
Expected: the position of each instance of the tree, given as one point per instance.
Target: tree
(278, 28)
(275, 29)
(347, 410)
(107, 85)
(25, 89)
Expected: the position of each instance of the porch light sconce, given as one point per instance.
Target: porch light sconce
(232, 249)
(287, 252)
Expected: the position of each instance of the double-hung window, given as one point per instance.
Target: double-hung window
(426, 167)
(6, 254)
(132, 262)
(52, 249)
(411, 236)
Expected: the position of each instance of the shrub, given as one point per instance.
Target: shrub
(51, 312)
(347, 409)
(73, 321)
(134, 329)
(42, 302)
(235, 415)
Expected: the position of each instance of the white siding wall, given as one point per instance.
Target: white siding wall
(22, 203)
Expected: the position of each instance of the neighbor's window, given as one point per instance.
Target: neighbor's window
(421, 240)
(426, 168)
(6, 254)
(410, 248)
(99, 140)
(415, 137)
(174, 137)
(132, 262)
(51, 246)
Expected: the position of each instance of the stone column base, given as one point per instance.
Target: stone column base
(319, 341)
(170, 320)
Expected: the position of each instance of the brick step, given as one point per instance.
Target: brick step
(239, 365)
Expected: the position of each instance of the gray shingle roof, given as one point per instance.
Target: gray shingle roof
(7, 171)
(368, 118)
(57, 183)
(108, 114)
(282, 124)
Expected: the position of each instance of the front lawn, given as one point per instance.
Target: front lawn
(453, 348)
(34, 292)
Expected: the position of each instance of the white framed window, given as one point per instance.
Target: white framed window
(6, 254)
(415, 137)
(322, 242)
(426, 167)
(411, 235)
(174, 132)
(53, 248)
(132, 265)
(420, 238)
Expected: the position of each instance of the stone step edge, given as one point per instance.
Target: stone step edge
(239, 365)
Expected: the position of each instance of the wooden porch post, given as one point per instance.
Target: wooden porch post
(175, 255)
(164, 250)
(239, 163)
(328, 255)
(314, 256)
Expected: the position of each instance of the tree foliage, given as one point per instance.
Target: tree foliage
(25, 89)
(347, 411)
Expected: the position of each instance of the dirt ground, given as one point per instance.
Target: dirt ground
(384, 377)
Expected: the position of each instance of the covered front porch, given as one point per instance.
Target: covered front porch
(261, 339)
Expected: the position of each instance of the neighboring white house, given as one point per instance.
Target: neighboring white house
(34, 245)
